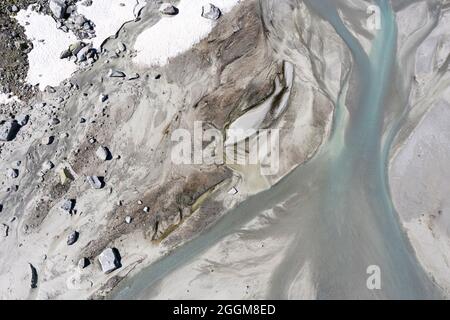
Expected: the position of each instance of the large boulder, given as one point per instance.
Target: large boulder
(116, 74)
(168, 9)
(22, 119)
(34, 277)
(83, 263)
(211, 12)
(74, 48)
(8, 130)
(95, 182)
(47, 166)
(109, 260)
(65, 54)
(83, 53)
(68, 205)
(65, 176)
(12, 173)
(58, 8)
(4, 230)
(102, 153)
(72, 238)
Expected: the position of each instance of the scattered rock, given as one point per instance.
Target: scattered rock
(47, 166)
(79, 20)
(95, 182)
(211, 12)
(47, 140)
(146, 209)
(83, 263)
(116, 74)
(22, 46)
(87, 3)
(68, 205)
(103, 153)
(22, 120)
(128, 220)
(103, 97)
(4, 230)
(168, 9)
(80, 50)
(65, 54)
(54, 122)
(12, 173)
(133, 76)
(86, 53)
(58, 8)
(9, 130)
(72, 238)
(121, 47)
(74, 48)
(109, 260)
(65, 175)
(34, 277)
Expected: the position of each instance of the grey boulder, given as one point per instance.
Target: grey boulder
(116, 74)
(8, 130)
(68, 205)
(211, 12)
(47, 166)
(22, 120)
(95, 182)
(72, 238)
(83, 263)
(4, 230)
(102, 153)
(133, 76)
(34, 277)
(168, 9)
(12, 173)
(58, 8)
(109, 260)
(65, 54)
(83, 53)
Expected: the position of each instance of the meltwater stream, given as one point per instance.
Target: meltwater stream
(340, 212)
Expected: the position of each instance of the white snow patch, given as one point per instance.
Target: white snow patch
(45, 66)
(6, 98)
(109, 16)
(172, 36)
